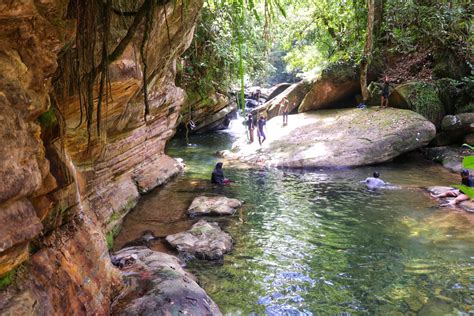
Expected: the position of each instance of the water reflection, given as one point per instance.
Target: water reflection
(319, 242)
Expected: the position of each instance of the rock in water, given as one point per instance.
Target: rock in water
(337, 138)
(213, 205)
(157, 285)
(204, 241)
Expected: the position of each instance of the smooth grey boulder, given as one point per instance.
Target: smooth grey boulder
(213, 205)
(156, 284)
(458, 125)
(450, 157)
(204, 241)
(337, 138)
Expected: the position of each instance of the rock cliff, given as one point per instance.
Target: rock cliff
(61, 193)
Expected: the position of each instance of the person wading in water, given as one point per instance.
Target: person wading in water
(217, 176)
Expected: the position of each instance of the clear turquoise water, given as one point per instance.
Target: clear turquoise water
(318, 242)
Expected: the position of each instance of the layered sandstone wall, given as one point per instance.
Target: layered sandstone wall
(59, 197)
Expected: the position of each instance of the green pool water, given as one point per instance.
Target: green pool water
(318, 242)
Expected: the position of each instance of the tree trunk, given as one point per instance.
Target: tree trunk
(369, 43)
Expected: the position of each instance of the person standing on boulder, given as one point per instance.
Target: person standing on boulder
(260, 124)
(217, 176)
(250, 127)
(285, 107)
(385, 94)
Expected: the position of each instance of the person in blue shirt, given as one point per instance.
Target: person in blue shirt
(261, 134)
(459, 195)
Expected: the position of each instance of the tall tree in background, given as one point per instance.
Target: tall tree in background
(368, 47)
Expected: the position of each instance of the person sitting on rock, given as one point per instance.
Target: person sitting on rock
(217, 176)
(260, 124)
(459, 195)
(385, 94)
(374, 182)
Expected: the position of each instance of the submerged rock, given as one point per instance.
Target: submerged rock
(158, 285)
(204, 241)
(337, 138)
(213, 205)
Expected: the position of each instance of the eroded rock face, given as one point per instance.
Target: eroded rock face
(158, 285)
(295, 93)
(213, 205)
(66, 194)
(204, 241)
(206, 113)
(336, 84)
(337, 138)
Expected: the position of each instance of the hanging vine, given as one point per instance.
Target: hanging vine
(89, 56)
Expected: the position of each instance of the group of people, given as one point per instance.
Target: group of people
(459, 195)
(262, 122)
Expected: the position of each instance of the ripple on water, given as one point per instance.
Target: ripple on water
(320, 242)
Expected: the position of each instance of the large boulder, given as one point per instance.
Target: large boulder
(204, 241)
(336, 84)
(207, 113)
(450, 157)
(158, 285)
(420, 97)
(337, 138)
(277, 89)
(213, 205)
(294, 93)
(458, 125)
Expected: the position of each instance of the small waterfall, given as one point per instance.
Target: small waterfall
(236, 126)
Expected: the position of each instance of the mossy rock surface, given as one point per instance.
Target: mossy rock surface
(420, 97)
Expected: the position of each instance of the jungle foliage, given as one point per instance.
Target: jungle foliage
(309, 34)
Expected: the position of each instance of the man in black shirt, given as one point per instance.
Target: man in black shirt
(250, 127)
(459, 196)
(385, 94)
(217, 176)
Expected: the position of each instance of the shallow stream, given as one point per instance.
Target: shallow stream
(318, 242)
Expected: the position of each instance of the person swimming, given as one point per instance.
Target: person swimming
(217, 176)
(374, 182)
(459, 195)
